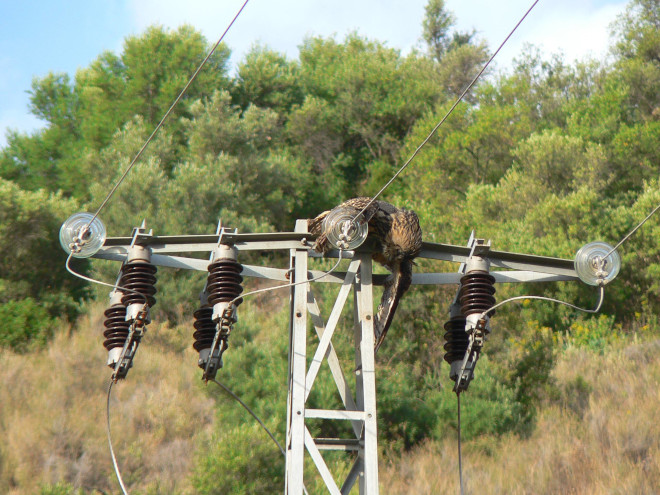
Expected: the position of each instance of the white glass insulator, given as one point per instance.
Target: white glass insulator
(80, 238)
(592, 265)
(343, 230)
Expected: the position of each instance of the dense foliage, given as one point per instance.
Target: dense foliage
(541, 159)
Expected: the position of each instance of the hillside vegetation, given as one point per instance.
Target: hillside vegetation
(541, 159)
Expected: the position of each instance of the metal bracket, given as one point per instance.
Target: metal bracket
(125, 361)
(466, 373)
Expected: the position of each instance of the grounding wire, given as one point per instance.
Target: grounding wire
(112, 452)
(449, 112)
(247, 408)
(167, 114)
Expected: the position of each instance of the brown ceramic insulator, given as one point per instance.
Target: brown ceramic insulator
(477, 293)
(139, 279)
(456, 339)
(116, 327)
(224, 281)
(204, 328)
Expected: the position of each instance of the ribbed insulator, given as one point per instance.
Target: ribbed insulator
(138, 276)
(456, 339)
(116, 331)
(476, 294)
(224, 282)
(204, 328)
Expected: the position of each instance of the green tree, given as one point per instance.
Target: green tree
(435, 27)
(82, 117)
(35, 287)
(267, 79)
(361, 99)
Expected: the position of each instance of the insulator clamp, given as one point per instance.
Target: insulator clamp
(128, 315)
(215, 319)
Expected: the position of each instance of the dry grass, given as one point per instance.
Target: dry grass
(600, 435)
(52, 416)
(605, 443)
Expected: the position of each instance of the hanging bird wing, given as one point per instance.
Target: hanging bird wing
(395, 287)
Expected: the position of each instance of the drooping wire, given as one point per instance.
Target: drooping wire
(449, 112)
(285, 286)
(114, 286)
(550, 299)
(247, 408)
(112, 452)
(602, 289)
(460, 458)
(167, 114)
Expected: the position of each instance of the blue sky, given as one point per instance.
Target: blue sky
(42, 36)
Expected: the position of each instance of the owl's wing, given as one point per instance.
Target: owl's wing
(395, 287)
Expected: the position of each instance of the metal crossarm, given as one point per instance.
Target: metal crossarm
(167, 251)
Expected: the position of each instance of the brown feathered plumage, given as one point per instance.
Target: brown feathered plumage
(398, 239)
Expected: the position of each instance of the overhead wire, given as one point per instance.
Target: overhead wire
(114, 286)
(601, 286)
(601, 298)
(446, 116)
(458, 431)
(254, 415)
(167, 114)
(629, 235)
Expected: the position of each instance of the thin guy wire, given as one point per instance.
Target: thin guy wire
(460, 461)
(167, 114)
(238, 399)
(435, 129)
(112, 452)
(245, 406)
(632, 232)
(520, 298)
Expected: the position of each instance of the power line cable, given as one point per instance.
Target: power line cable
(602, 290)
(114, 286)
(449, 112)
(254, 415)
(629, 235)
(167, 114)
(550, 299)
